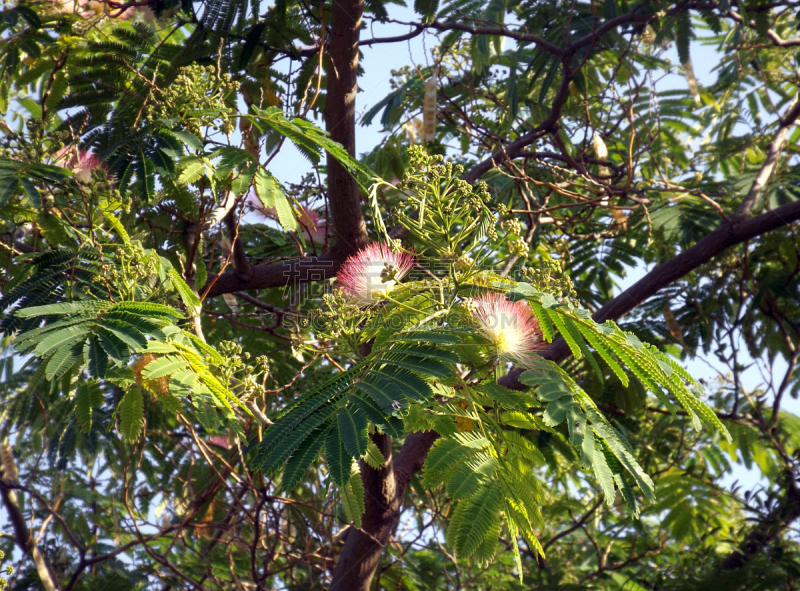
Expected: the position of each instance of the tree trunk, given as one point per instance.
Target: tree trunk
(350, 231)
(384, 490)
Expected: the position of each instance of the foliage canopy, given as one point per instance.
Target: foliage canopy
(191, 399)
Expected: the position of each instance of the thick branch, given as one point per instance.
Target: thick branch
(384, 490)
(350, 231)
(294, 271)
(24, 537)
(733, 230)
(773, 154)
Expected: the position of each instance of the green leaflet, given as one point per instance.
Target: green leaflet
(96, 357)
(353, 497)
(126, 333)
(88, 396)
(426, 8)
(567, 334)
(131, 415)
(523, 420)
(408, 383)
(595, 341)
(118, 227)
(61, 339)
(29, 339)
(387, 423)
(470, 475)
(523, 448)
(163, 366)
(513, 531)
(192, 169)
(113, 347)
(188, 297)
(60, 309)
(272, 456)
(302, 458)
(447, 454)
(603, 474)
(430, 336)
(485, 553)
(373, 456)
(381, 392)
(339, 461)
(654, 369)
(473, 519)
(272, 196)
(353, 430)
(502, 396)
(526, 489)
(308, 138)
(147, 309)
(423, 366)
(558, 410)
(63, 360)
(611, 438)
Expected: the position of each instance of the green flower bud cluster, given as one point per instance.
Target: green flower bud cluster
(199, 98)
(236, 368)
(464, 263)
(9, 570)
(512, 226)
(467, 305)
(519, 247)
(549, 277)
(449, 214)
(337, 315)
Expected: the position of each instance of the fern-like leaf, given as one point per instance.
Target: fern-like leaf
(353, 497)
(338, 459)
(131, 414)
(353, 430)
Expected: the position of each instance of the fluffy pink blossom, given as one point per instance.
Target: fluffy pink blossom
(80, 162)
(510, 327)
(372, 272)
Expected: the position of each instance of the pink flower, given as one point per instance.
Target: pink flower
(372, 272)
(510, 327)
(80, 162)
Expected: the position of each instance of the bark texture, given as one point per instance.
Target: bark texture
(350, 231)
(384, 490)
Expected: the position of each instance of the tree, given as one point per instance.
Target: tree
(188, 404)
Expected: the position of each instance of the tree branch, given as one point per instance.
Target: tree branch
(773, 154)
(350, 231)
(293, 271)
(23, 535)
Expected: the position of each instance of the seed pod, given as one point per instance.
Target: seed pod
(411, 132)
(688, 71)
(674, 326)
(429, 111)
(601, 152)
(8, 464)
(419, 127)
(231, 302)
